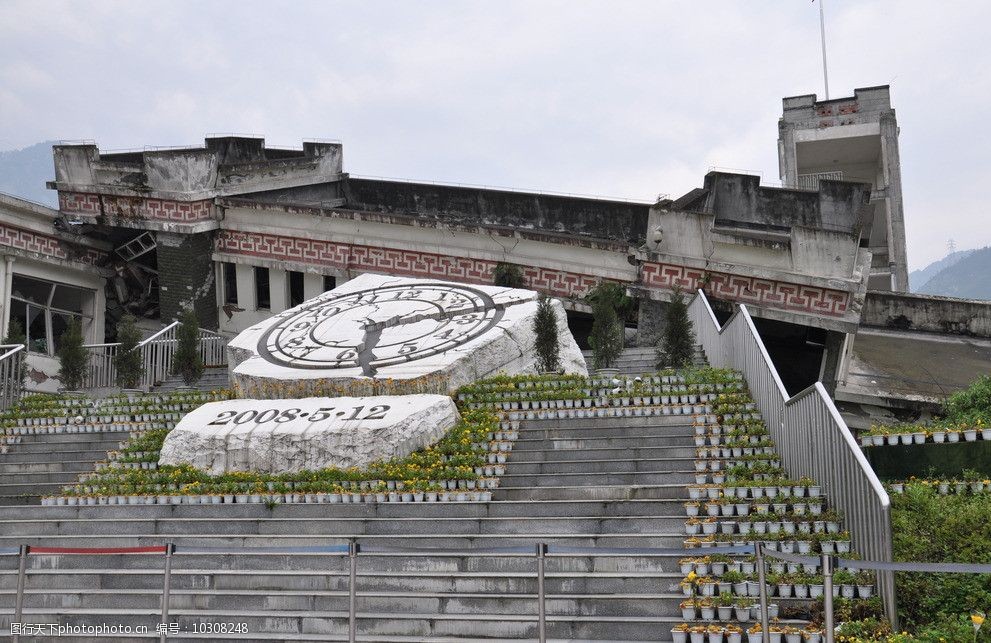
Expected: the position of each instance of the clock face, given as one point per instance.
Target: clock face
(378, 327)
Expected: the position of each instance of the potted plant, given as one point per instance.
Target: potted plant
(715, 634)
(697, 633)
(677, 347)
(679, 633)
(688, 610)
(792, 635)
(755, 634)
(607, 333)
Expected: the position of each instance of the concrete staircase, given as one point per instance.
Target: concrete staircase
(41, 464)
(213, 378)
(606, 482)
(638, 360)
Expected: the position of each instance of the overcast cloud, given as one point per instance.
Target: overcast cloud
(616, 98)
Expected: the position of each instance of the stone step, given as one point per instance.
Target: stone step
(198, 580)
(43, 477)
(15, 457)
(568, 508)
(370, 601)
(418, 625)
(47, 466)
(677, 472)
(578, 454)
(677, 434)
(373, 561)
(667, 421)
(684, 456)
(604, 492)
(67, 447)
(447, 540)
(594, 442)
(336, 526)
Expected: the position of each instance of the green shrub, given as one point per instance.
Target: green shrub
(188, 362)
(508, 275)
(929, 527)
(606, 337)
(972, 402)
(677, 347)
(545, 329)
(127, 361)
(73, 358)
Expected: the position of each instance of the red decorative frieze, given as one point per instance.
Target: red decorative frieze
(406, 263)
(31, 241)
(122, 207)
(811, 300)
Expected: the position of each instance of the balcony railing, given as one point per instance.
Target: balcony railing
(811, 181)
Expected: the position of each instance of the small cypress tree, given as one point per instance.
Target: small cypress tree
(607, 333)
(73, 358)
(678, 339)
(15, 335)
(545, 329)
(188, 363)
(508, 275)
(127, 361)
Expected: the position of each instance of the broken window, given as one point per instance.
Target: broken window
(296, 296)
(329, 282)
(263, 298)
(230, 283)
(44, 309)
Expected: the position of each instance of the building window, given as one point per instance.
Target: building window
(263, 299)
(44, 309)
(296, 296)
(329, 283)
(230, 283)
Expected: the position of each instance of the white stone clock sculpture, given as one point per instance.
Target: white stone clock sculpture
(361, 373)
(379, 335)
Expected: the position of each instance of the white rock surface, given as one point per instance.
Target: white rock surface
(348, 432)
(390, 335)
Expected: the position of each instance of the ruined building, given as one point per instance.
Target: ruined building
(238, 231)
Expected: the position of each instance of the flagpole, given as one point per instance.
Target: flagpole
(822, 34)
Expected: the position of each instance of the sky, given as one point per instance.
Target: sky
(621, 98)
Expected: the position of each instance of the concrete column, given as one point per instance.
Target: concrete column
(187, 276)
(6, 273)
(651, 321)
(312, 285)
(278, 284)
(832, 360)
(246, 287)
(897, 254)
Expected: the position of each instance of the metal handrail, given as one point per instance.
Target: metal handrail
(811, 437)
(157, 356)
(11, 374)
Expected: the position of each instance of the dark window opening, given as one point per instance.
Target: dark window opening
(263, 298)
(296, 296)
(329, 283)
(230, 283)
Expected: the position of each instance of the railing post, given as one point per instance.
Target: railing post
(762, 579)
(827, 597)
(541, 594)
(22, 570)
(166, 588)
(353, 549)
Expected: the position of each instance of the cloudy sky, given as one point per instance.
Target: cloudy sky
(618, 98)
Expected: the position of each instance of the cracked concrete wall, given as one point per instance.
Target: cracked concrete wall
(927, 313)
(187, 277)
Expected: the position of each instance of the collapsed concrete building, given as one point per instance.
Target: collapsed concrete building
(238, 231)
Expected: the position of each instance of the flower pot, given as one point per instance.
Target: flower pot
(755, 637)
(725, 612)
(865, 591)
(734, 637)
(742, 613)
(678, 636)
(688, 613)
(813, 637)
(697, 637)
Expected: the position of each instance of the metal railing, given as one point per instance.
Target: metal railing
(811, 181)
(11, 374)
(811, 436)
(157, 357)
